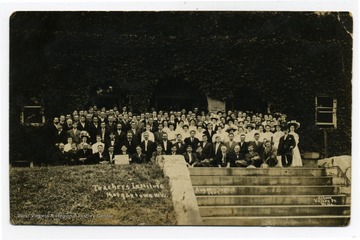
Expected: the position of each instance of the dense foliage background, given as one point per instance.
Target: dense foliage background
(284, 58)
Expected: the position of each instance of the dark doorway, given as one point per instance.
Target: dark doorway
(178, 94)
(247, 100)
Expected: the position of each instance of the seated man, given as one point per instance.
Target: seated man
(147, 146)
(173, 150)
(180, 146)
(110, 154)
(238, 158)
(72, 155)
(96, 145)
(190, 157)
(99, 156)
(60, 157)
(159, 153)
(138, 157)
(192, 140)
(269, 155)
(84, 154)
(223, 159)
(252, 157)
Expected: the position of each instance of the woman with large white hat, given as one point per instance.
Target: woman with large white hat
(294, 125)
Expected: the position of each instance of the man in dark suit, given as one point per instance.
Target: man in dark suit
(207, 148)
(83, 125)
(59, 136)
(243, 146)
(224, 159)
(138, 157)
(209, 132)
(166, 144)
(237, 158)
(111, 125)
(102, 117)
(190, 157)
(129, 143)
(99, 157)
(109, 154)
(159, 134)
(257, 145)
(147, 146)
(84, 154)
(286, 146)
(94, 128)
(180, 146)
(135, 133)
(60, 157)
(158, 153)
(119, 133)
(74, 133)
(68, 125)
(230, 145)
(173, 150)
(113, 142)
(217, 147)
(192, 140)
(103, 132)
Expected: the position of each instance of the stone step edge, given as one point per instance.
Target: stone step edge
(269, 176)
(263, 186)
(273, 206)
(281, 217)
(272, 195)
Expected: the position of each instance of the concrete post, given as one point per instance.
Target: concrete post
(182, 191)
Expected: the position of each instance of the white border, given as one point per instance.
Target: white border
(49, 232)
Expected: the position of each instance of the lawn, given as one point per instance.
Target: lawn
(91, 195)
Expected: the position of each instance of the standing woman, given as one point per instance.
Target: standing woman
(293, 125)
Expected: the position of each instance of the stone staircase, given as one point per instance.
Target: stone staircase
(272, 196)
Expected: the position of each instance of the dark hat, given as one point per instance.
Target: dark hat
(250, 125)
(230, 129)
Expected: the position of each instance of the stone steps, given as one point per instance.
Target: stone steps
(243, 200)
(260, 190)
(271, 196)
(323, 220)
(274, 210)
(316, 172)
(264, 180)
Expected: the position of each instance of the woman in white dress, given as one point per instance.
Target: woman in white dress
(297, 162)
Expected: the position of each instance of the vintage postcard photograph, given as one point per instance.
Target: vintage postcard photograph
(181, 118)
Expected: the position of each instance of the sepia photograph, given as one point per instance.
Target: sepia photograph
(180, 118)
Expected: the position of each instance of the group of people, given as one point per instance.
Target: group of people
(224, 139)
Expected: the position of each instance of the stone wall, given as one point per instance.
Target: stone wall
(343, 162)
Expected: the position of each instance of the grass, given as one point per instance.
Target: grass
(66, 195)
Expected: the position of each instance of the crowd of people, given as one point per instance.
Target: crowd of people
(222, 139)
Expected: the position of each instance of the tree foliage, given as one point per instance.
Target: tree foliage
(285, 58)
